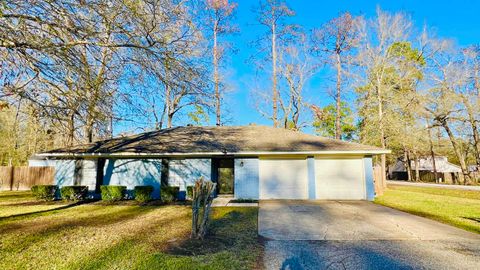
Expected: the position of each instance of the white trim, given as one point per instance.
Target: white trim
(203, 154)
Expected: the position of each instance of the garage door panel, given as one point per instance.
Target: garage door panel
(283, 179)
(339, 179)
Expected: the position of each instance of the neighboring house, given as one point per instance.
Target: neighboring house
(249, 162)
(446, 171)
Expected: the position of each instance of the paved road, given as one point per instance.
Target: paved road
(360, 235)
(415, 184)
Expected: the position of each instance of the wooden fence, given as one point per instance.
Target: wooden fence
(379, 181)
(23, 178)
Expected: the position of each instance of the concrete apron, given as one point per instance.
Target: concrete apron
(225, 201)
(349, 220)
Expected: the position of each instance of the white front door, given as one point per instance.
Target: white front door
(283, 179)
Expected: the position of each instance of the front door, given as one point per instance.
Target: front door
(225, 175)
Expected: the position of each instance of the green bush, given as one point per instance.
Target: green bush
(74, 193)
(113, 193)
(169, 194)
(143, 193)
(190, 192)
(44, 192)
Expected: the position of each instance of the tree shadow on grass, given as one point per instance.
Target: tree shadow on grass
(139, 242)
(6, 195)
(58, 226)
(61, 207)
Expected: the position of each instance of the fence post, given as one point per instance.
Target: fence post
(24, 177)
(12, 177)
(378, 179)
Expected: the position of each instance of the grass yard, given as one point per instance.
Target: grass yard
(459, 208)
(126, 236)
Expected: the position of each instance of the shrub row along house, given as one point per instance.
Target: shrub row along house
(250, 162)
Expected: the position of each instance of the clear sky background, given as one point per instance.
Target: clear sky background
(459, 20)
(454, 19)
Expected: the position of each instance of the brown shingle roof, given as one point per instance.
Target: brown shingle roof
(225, 139)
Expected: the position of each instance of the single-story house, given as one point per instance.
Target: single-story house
(249, 162)
(446, 172)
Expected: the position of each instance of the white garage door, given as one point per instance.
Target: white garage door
(339, 179)
(283, 178)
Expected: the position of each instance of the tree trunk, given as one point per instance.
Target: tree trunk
(274, 73)
(408, 166)
(457, 150)
(169, 106)
(474, 126)
(71, 129)
(383, 157)
(432, 154)
(417, 169)
(338, 130)
(215, 74)
(89, 130)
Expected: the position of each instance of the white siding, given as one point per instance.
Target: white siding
(41, 163)
(64, 172)
(89, 174)
(311, 178)
(369, 185)
(184, 172)
(246, 178)
(134, 172)
(283, 179)
(340, 179)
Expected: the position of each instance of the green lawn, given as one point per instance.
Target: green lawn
(125, 236)
(460, 208)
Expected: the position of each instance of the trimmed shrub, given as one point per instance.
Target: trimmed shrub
(113, 193)
(44, 192)
(74, 193)
(190, 192)
(143, 193)
(169, 194)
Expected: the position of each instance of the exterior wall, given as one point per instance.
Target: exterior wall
(89, 174)
(246, 178)
(64, 172)
(184, 172)
(134, 172)
(254, 178)
(41, 163)
(311, 178)
(369, 185)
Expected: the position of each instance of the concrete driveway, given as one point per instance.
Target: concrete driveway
(360, 235)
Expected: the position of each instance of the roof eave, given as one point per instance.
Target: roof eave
(201, 154)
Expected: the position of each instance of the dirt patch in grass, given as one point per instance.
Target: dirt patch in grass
(229, 228)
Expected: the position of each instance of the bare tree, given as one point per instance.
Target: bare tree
(470, 95)
(220, 13)
(335, 39)
(271, 14)
(443, 101)
(374, 57)
(71, 55)
(296, 67)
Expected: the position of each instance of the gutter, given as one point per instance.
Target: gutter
(203, 154)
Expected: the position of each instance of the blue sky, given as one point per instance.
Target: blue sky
(459, 20)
